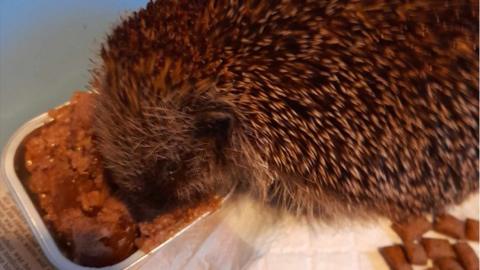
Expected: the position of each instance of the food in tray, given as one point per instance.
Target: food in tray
(92, 226)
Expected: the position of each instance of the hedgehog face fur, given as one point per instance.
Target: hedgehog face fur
(167, 150)
(163, 163)
(317, 107)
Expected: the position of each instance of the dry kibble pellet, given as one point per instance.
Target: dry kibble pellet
(450, 226)
(415, 253)
(437, 248)
(448, 264)
(466, 255)
(471, 229)
(432, 268)
(395, 257)
(412, 228)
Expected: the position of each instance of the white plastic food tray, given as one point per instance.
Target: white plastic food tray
(9, 162)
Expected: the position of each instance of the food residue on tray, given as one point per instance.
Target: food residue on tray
(91, 226)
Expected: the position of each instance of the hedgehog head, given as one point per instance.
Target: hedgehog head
(162, 137)
(160, 128)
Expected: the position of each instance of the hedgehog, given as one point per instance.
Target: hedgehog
(315, 108)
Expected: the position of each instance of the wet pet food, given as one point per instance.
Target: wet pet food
(69, 186)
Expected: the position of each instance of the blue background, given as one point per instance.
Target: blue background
(46, 49)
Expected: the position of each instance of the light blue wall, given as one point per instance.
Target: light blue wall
(45, 52)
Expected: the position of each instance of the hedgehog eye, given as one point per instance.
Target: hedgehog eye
(171, 168)
(214, 124)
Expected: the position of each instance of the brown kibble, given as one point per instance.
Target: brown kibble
(466, 255)
(438, 248)
(433, 268)
(412, 228)
(415, 253)
(395, 257)
(471, 229)
(448, 264)
(450, 226)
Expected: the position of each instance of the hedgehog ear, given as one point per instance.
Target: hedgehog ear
(214, 124)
